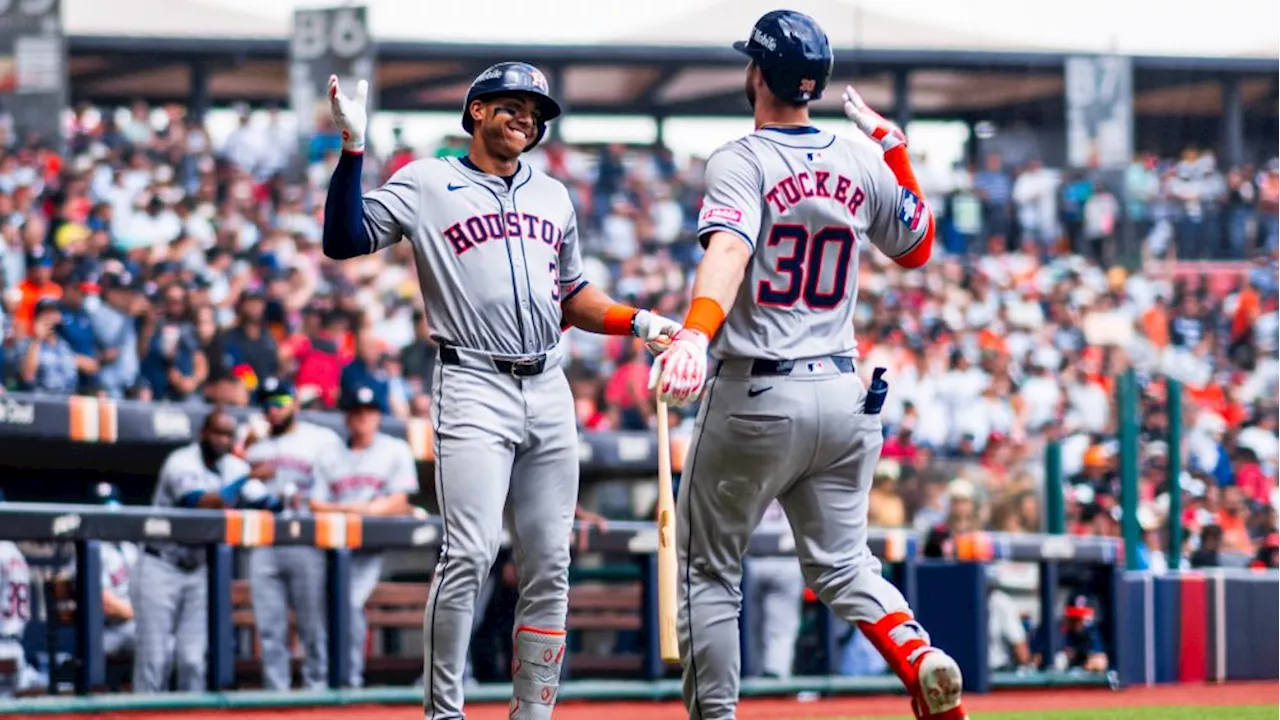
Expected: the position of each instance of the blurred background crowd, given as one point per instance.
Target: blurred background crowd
(147, 263)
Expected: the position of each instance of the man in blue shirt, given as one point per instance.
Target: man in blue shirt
(77, 327)
(995, 188)
(45, 362)
(115, 332)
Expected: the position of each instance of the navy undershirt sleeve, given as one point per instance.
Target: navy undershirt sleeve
(344, 232)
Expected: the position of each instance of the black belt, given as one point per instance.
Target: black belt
(761, 367)
(518, 367)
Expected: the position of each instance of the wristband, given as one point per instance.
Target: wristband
(705, 315)
(619, 319)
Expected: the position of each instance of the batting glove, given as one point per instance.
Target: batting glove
(871, 123)
(349, 114)
(656, 331)
(680, 373)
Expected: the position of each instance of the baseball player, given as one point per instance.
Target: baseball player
(15, 612)
(119, 630)
(785, 415)
(496, 243)
(373, 475)
(170, 585)
(293, 576)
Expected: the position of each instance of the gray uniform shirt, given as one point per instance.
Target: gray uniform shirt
(803, 199)
(494, 260)
(295, 456)
(183, 473)
(384, 468)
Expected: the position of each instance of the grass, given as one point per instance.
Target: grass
(1247, 712)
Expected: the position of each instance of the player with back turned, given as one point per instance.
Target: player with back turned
(496, 247)
(785, 415)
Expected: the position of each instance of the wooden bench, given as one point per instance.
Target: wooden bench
(391, 606)
(607, 608)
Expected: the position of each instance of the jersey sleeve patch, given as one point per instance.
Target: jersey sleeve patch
(910, 210)
(721, 214)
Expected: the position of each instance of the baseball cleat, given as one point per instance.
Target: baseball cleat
(940, 686)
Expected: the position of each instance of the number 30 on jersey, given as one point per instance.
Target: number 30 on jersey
(798, 257)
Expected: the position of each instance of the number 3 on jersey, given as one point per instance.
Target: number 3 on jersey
(801, 264)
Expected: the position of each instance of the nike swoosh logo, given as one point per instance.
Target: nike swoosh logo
(453, 187)
(752, 392)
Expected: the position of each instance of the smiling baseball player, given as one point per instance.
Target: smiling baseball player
(496, 244)
(373, 475)
(785, 415)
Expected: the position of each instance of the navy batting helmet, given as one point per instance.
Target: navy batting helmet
(513, 77)
(793, 54)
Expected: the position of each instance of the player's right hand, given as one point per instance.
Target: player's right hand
(680, 373)
(870, 122)
(349, 114)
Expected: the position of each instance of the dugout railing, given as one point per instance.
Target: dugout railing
(949, 596)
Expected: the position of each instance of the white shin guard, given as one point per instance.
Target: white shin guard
(535, 672)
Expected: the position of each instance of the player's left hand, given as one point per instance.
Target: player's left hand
(656, 331)
(680, 373)
(871, 122)
(350, 114)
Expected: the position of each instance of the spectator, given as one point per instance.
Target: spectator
(1035, 194)
(628, 388)
(249, 342)
(371, 369)
(174, 366)
(38, 286)
(1209, 552)
(115, 332)
(77, 329)
(419, 357)
(995, 189)
(46, 363)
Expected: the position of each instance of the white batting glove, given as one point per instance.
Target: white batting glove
(680, 373)
(870, 122)
(656, 331)
(350, 114)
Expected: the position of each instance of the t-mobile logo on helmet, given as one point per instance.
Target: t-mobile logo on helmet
(764, 40)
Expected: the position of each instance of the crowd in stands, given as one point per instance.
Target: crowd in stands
(143, 262)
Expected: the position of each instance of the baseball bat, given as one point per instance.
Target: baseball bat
(668, 642)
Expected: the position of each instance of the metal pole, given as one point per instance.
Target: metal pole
(1054, 501)
(1173, 392)
(1127, 401)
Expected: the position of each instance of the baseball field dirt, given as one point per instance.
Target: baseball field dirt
(1232, 701)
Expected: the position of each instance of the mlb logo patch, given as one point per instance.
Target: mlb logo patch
(724, 214)
(910, 210)
(815, 157)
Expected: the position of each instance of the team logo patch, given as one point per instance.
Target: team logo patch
(910, 210)
(538, 79)
(726, 214)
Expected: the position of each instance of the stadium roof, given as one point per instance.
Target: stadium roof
(671, 57)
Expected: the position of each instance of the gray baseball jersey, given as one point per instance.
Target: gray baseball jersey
(182, 474)
(495, 258)
(294, 455)
(785, 416)
(15, 613)
(803, 200)
(287, 577)
(384, 468)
